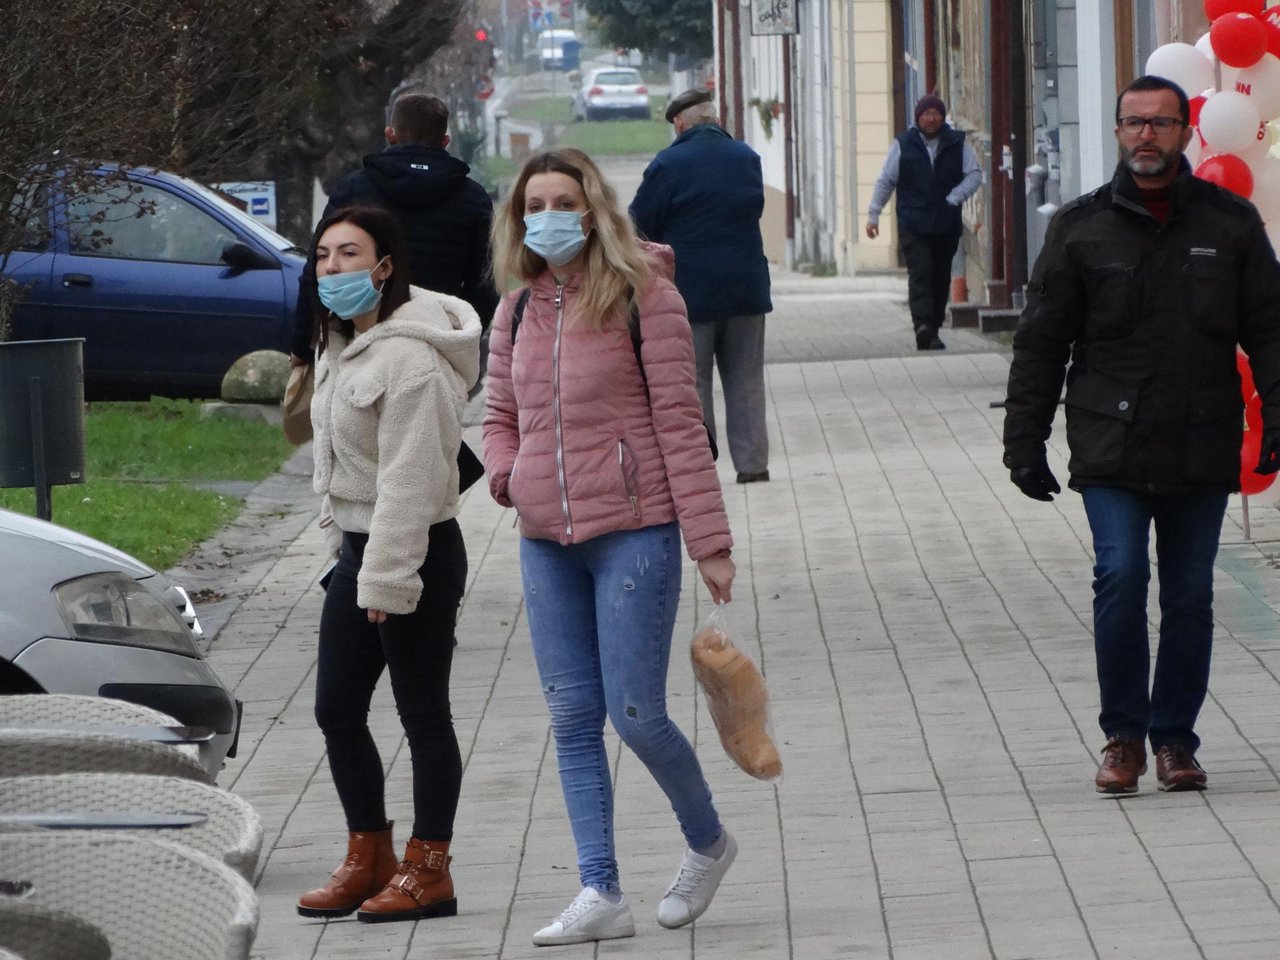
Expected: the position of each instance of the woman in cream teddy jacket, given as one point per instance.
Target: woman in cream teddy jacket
(393, 367)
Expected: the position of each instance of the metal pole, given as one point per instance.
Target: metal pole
(44, 502)
(1244, 500)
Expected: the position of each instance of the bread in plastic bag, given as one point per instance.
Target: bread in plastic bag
(736, 697)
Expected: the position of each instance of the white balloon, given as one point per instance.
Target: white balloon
(1254, 153)
(1261, 83)
(1182, 63)
(1229, 122)
(1266, 189)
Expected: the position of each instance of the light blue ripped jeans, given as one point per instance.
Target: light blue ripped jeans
(601, 615)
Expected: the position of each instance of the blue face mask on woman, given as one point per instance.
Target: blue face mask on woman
(349, 294)
(554, 235)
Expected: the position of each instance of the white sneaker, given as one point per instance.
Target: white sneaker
(589, 917)
(690, 893)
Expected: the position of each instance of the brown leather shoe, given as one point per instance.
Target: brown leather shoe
(1123, 762)
(1177, 769)
(370, 863)
(421, 888)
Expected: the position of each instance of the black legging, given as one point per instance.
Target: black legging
(417, 650)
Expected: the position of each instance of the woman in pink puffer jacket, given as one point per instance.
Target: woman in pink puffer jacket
(607, 463)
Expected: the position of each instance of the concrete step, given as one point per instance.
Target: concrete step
(996, 321)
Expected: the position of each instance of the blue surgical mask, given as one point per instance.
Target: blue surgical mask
(349, 294)
(554, 235)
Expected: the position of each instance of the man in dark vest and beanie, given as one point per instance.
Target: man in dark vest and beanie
(934, 171)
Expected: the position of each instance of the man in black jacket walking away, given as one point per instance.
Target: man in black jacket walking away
(935, 171)
(444, 213)
(1145, 286)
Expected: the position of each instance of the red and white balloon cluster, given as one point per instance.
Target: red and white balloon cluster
(1232, 76)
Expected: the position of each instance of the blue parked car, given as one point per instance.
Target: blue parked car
(167, 282)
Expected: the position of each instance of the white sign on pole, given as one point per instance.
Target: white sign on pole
(773, 17)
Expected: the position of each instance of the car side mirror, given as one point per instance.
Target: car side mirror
(240, 256)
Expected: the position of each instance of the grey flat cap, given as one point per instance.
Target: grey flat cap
(686, 100)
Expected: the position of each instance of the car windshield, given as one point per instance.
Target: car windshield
(257, 228)
(618, 78)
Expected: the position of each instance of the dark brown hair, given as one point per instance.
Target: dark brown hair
(1148, 83)
(388, 241)
(419, 118)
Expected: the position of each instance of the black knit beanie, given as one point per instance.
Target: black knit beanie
(930, 102)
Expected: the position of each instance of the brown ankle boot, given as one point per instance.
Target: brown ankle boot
(370, 863)
(421, 889)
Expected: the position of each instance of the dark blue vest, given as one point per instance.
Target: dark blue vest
(923, 186)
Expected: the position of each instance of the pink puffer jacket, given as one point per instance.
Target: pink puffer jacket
(569, 437)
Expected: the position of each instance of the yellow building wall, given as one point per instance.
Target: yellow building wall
(868, 30)
(773, 224)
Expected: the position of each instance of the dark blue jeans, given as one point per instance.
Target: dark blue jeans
(1187, 529)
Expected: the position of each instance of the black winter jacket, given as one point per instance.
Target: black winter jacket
(445, 216)
(1149, 316)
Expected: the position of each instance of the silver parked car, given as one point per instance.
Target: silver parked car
(609, 92)
(79, 616)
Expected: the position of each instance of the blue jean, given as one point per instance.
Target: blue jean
(601, 614)
(736, 346)
(1187, 530)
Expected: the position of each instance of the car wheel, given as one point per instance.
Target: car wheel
(591, 115)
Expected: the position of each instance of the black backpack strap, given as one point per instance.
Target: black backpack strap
(633, 325)
(517, 313)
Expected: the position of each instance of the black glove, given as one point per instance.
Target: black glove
(1269, 455)
(1038, 482)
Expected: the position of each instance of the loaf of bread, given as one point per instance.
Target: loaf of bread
(738, 701)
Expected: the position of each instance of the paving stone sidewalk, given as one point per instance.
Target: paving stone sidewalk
(925, 630)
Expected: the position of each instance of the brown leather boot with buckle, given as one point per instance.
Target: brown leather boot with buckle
(370, 863)
(421, 888)
(1123, 762)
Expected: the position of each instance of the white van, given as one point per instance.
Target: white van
(551, 47)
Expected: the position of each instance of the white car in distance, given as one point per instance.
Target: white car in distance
(610, 92)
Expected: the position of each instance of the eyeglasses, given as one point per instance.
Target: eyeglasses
(1158, 125)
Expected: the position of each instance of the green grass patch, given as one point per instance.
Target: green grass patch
(620, 137)
(157, 523)
(554, 109)
(143, 461)
(167, 440)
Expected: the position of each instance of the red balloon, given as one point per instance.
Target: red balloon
(1238, 39)
(1197, 103)
(1213, 9)
(1252, 483)
(1229, 171)
(1273, 31)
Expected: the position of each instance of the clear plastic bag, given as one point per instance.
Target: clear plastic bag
(736, 697)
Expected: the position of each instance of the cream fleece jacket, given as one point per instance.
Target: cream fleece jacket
(387, 417)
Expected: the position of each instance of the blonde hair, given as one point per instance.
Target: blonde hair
(615, 265)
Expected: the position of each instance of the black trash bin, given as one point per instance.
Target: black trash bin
(41, 416)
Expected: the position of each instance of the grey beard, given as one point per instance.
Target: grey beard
(1145, 167)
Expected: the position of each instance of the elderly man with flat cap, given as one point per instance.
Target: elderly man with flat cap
(703, 196)
(934, 171)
